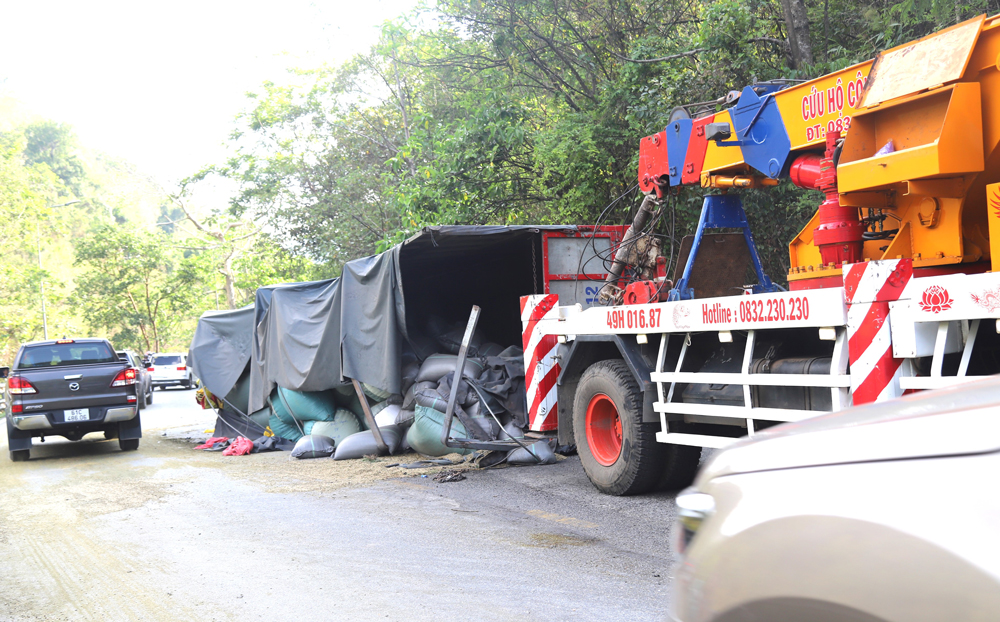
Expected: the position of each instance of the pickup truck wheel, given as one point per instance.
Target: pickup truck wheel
(128, 444)
(618, 451)
(20, 455)
(149, 398)
(141, 400)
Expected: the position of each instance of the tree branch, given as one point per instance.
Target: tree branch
(662, 58)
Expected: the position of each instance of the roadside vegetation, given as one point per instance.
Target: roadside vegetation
(465, 112)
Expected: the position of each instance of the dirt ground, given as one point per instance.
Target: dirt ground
(88, 532)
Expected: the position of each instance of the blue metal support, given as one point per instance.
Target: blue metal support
(722, 211)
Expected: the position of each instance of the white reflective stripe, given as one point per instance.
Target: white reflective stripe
(865, 365)
(891, 390)
(545, 364)
(856, 314)
(873, 280)
(544, 408)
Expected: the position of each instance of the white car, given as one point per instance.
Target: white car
(170, 369)
(881, 513)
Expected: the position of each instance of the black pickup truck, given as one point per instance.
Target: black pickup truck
(70, 387)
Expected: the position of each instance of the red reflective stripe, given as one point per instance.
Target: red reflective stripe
(545, 346)
(892, 289)
(537, 314)
(546, 384)
(876, 382)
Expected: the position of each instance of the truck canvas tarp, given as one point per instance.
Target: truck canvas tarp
(315, 336)
(220, 348)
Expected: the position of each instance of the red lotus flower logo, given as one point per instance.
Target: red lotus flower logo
(935, 299)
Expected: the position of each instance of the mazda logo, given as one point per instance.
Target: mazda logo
(74, 386)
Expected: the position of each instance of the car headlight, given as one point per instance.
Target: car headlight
(693, 508)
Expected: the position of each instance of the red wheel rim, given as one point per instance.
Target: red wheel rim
(604, 430)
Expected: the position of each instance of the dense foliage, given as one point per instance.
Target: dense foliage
(530, 111)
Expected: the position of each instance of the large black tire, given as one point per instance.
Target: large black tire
(128, 444)
(680, 466)
(149, 398)
(639, 464)
(141, 400)
(20, 455)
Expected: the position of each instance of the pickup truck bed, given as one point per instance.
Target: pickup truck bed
(68, 388)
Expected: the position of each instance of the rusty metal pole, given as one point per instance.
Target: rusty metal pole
(459, 368)
(607, 293)
(369, 417)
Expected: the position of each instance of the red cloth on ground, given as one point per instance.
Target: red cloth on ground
(208, 444)
(240, 447)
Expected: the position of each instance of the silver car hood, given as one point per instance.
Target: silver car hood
(964, 419)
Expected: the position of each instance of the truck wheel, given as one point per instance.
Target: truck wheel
(141, 401)
(149, 398)
(128, 444)
(680, 466)
(619, 452)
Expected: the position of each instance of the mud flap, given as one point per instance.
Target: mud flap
(129, 429)
(16, 443)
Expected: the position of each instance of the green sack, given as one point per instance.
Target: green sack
(344, 394)
(282, 429)
(343, 425)
(374, 392)
(239, 395)
(303, 405)
(424, 436)
(262, 417)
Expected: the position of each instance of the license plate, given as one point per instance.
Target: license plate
(77, 414)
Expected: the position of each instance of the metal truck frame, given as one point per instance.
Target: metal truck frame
(873, 313)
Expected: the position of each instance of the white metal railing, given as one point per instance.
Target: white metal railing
(838, 381)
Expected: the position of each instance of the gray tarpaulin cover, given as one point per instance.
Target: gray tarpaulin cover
(305, 332)
(313, 336)
(220, 348)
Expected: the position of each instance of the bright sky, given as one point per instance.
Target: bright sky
(160, 83)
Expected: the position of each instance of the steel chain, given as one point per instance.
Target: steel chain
(534, 267)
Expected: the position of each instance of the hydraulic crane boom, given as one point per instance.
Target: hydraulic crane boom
(922, 128)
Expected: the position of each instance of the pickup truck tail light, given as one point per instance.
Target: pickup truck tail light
(125, 377)
(20, 386)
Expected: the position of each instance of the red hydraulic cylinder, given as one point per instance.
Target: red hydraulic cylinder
(805, 170)
(839, 234)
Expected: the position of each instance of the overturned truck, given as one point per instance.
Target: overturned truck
(368, 359)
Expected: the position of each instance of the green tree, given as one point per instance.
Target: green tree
(54, 145)
(132, 288)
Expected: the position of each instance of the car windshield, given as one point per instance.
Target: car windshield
(62, 354)
(167, 360)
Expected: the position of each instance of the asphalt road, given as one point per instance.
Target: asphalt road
(170, 533)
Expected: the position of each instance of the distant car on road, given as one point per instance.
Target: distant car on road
(70, 387)
(144, 386)
(879, 513)
(170, 369)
